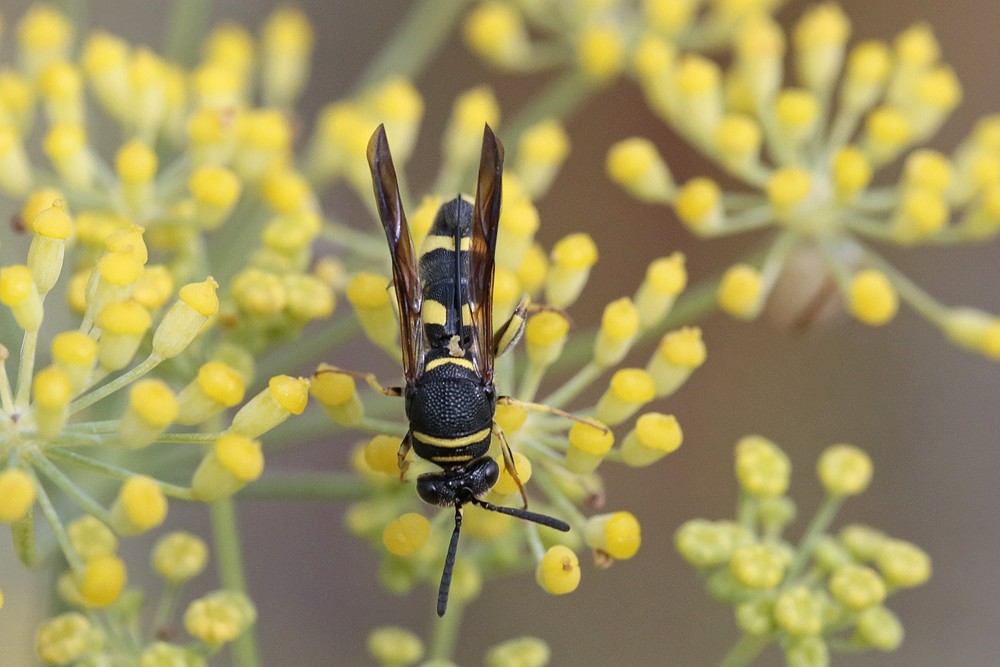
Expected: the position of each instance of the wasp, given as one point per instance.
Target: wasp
(445, 297)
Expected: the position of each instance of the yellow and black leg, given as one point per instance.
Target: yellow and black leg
(404, 449)
(511, 331)
(367, 377)
(508, 462)
(548, 409)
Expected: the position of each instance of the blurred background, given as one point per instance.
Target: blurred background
(928, 413)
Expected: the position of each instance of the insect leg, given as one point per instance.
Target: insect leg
(511, 331)
(404, 449)
(508, 462)
(548, 409)
(367, 377)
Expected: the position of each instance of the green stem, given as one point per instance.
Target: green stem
(165, 607)
(113, 471)
(576, 384)
(818, 525)
(22, 534)
(307, 486)
(122, 380)
(68, 486)
(52, 517)
(531, 381)
(27, 367)
(745, 651)
(445, 635)
(415, 42)
(230, 558)
(189, 438)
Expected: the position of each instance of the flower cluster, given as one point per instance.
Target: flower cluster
(555, 457)
(824, 594)
(809, 153)
(398, 647)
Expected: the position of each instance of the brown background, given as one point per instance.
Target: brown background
(926, 412)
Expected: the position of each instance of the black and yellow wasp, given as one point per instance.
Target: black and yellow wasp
(446, 324)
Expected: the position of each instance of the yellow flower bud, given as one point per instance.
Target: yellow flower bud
(844, 470)
(616, 535)
(216, 387)
(259, 293)
(601, 51)
(123, 326)
(903, 565)
(15, 166)
(973, 330)
(857, 587)
(510, 418)
(91, 538)
(234, 461)
(799, 612)
(655, 435)
(679, 353)
(154, 288)
(666, 277)
(284, 396)
(104, 60)
(699, 95)
(211, 134)
(52, 391)
(395, 646)
(179, 557)
(699, 206)
(380, 454)
(868, 68)
(17, 100)
(152, 407)
(265, 138)
(184, 320)
(19, 292)
(797, 112)
(741, 292)
(75, 353)
(506, 484)
(219, 617)
(17, 494)
(879, 628)
(628, 391)
(758, 566)
(636, 165)
(140, 506)
(762, 469)
(787, 189)
(102, 581)
(337, 393)
(819, 37)
(65, 144)
(558, 572)
(737, 140)
(851, 173)
(619, 328)
(44, 35)
(496, 32)
(407, 534)
(369, 295)
(65, 638)
(545, 336)
(463, 134)
(872, 298)
(542, 149)
(887, 132)
(309, 298)
(921, 214)
(587, 447)
(286, 43)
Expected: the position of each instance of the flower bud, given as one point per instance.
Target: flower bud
(337, 393)
(369, 295)
(140, 506)
(75, 354)
(587, 447)
(762, 469)
(65, 144)
(232, 462)
(184, 320)
(123, 326)
(17, 494)
(179, 557)
(758, 566)
(506, 484)
(219, 617)
(407, 534)
(571, 261)
(636, 165)
(619, 328)
(741, 292)
(879, 628)
(857, 587)
(495, 31)
(558, 572)
(616, 534)
(52, 392)
(395, 647)
(665, 278)
(63, 639)
(844, 470)
(518, 652)
(15, 166)
(215, 388)
(19, 292)
(90, 537)
(698, 204)
(152, 407)
(799, 612)
(628, 391)
(902, 564)
(102, 581)
(655, 435)
(286, 46)
(284, 396)
(679, 353)
(545, 335)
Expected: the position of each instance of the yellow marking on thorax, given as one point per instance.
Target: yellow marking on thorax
(436, 242)
(452, 442)
(433, 312)
(464, 363)
(466, 315)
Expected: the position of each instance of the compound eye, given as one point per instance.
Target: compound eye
(434, 491)
(482, 476)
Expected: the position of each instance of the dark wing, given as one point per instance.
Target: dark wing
(485, 221)
(405, 274)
